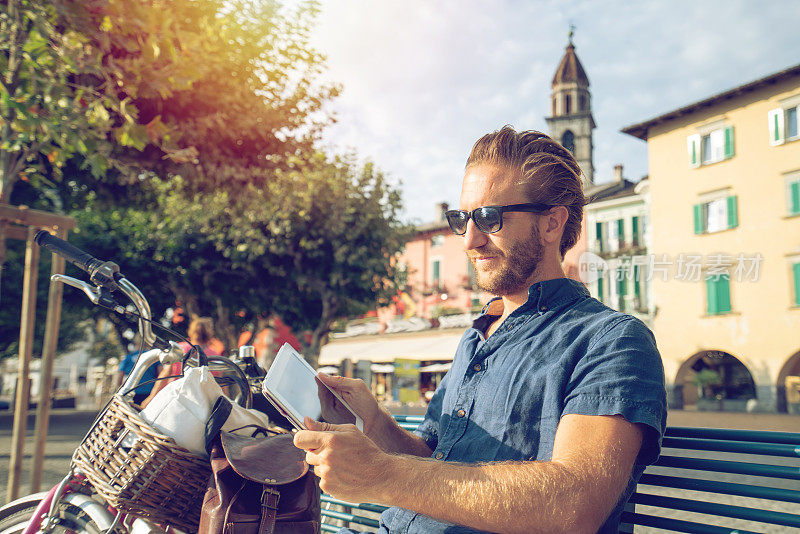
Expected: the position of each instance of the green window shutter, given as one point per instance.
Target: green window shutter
(733, 214)
(711, 297)
(693, 150)
(598, 227)
(699, 227)
(436, 272)
(723, 294)
(635, 231)
(600, 288)
(636, 282)
(730, 149)
(621, 232)
(796, 269)
(794, 192)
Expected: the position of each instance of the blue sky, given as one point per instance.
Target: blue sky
(423, 80)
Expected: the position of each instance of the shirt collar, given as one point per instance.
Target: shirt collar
(542, 296)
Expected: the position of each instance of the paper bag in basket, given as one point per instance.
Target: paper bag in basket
(181, 410)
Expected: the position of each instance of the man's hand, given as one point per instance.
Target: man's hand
(356, 394)
(350, 466)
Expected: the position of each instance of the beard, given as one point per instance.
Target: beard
(519, 262)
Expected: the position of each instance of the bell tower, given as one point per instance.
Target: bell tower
(571, 122)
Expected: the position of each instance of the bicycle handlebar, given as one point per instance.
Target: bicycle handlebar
(106, 274)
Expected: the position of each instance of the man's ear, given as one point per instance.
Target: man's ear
(551, 225)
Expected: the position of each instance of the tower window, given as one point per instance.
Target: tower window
(567, 104)
(554, 106)
(568, 140)
(582, 103)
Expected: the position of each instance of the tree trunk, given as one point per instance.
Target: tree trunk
(319, 336)
(226, 331)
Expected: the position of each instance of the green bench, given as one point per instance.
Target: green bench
(709, 481)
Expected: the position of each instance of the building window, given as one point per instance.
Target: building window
(567, 105)
(436, 270)
(640, 289)
(718, 295)
(582, 103)
(716, 215)
(796, 280)
(635, 231)
(568, 141)
(711, 146)
(784, 124)
(793, 193)
(437, 240)
(598, 235)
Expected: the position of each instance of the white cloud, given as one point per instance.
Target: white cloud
(422, 81)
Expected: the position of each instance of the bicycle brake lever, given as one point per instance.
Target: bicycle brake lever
(91, 291)
(98, 295)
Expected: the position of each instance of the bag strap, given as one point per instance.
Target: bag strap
(269, 509)
(219, 414)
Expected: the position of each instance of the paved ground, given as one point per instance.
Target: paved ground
(67, 427)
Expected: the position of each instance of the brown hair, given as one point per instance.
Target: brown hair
(546, 169)
(201, 330)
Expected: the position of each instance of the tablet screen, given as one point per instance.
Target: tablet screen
(295, 384)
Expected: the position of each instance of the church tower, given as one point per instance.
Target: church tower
(571, 122)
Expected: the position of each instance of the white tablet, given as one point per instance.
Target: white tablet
(291, 385)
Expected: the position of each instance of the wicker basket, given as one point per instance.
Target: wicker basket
(155, 478)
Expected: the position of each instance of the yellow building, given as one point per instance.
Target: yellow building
(725, 215)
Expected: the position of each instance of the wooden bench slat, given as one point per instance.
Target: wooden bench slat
(352, 518)
(717, 509)
(761, 436)
(679, 525)
(728, 466)
(742, 447)
(725, 488)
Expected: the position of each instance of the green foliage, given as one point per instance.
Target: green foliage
(188, 157)
(73, 313)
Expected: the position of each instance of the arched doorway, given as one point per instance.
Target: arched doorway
(790, 369)
(713, 380)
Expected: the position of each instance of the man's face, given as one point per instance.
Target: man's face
(505, 260)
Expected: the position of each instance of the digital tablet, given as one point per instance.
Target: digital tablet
(292, 386)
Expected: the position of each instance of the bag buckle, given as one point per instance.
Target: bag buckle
(270, 502)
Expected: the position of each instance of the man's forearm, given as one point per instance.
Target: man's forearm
(510, 497)
(394, 439)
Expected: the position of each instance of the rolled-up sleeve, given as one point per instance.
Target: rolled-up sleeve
(622, 374)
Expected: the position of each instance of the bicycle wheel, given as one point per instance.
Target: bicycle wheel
(71, 519)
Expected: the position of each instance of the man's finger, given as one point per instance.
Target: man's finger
(320, 426)
(308, 440)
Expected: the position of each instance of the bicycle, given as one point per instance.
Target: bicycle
(75, 505)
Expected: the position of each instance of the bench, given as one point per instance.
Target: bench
(709, 481)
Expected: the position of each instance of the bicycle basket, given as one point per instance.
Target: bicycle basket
(154, 478)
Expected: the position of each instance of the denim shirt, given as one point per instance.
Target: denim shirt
(562, 352)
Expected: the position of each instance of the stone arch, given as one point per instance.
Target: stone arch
(790, 368)
(568, 141)
(731, 391)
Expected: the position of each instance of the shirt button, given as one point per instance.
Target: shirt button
(461, 413)
(477, 367)
(439, 456)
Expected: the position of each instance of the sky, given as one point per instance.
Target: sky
(423, 80)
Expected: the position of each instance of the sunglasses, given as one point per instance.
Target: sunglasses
(488, 219)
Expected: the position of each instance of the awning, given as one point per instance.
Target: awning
(425, 347)
(436, 368)
(382, 368)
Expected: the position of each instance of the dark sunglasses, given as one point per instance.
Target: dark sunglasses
(488, 219)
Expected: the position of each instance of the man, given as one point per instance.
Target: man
(554, 403)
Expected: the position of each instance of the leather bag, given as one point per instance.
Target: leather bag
(259, 484)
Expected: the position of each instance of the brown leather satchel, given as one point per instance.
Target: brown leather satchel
(259, 485)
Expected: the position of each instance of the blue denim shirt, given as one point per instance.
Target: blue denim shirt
(562, 352)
